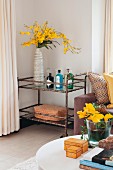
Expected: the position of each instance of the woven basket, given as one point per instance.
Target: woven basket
(50, 112)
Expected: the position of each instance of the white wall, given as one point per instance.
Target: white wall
(98, 18)
(74, 18)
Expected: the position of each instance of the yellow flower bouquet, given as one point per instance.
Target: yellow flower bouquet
(98, 125)
(89, 112)
(44, 36)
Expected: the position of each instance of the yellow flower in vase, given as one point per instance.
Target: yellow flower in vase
(96, 117)
(82, 114)
(98, 124)
(107, 117)
(45, 36)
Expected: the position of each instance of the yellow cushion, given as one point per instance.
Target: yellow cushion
(110, 106)
(109, 80)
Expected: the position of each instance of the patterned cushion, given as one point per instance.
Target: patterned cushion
(99, 86)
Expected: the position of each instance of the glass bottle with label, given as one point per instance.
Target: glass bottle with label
(50, 79)
(59, 79)
(70, 78)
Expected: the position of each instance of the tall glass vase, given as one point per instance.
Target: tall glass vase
(38, 67)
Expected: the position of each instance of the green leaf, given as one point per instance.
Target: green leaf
(46, 46)
(54, 45)
(56, 42)
(50, 47)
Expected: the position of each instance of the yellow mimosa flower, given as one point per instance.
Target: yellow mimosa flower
(43, 36)
(22, 33)
(41, 40)
(90, 106)
(26, 44)
(96, 117)
(65, 50)
(31, 27)
(27, 33)
(63, 36)
(81, 114)
(36, 29)
(107, 117)
(33, 41)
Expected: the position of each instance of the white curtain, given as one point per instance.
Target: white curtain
(108, 36)
(9, 112)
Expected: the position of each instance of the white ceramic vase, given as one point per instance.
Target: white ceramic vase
(38, 67)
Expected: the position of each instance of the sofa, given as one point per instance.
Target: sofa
(79, 103)
(102, 87)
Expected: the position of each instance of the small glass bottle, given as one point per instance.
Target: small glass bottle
(50, 79)
(59, 79)
(70, 78)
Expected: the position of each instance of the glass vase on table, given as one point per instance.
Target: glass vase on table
(98, 131)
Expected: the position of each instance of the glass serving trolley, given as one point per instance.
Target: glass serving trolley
(79, 82)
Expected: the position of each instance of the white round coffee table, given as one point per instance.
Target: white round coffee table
(52, 156)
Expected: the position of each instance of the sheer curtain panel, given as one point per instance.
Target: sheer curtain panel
(9, 112)
(108, 36)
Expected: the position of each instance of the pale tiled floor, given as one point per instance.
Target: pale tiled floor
(17, 147)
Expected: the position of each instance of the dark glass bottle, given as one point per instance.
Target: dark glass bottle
(50, 79)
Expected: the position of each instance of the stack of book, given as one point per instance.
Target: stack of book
(98, 159)
(75, 147)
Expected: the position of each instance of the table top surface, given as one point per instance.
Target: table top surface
(52, 156)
